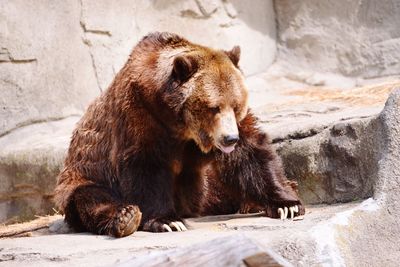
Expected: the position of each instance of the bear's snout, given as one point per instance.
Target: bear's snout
(227, 134)
(229, 140)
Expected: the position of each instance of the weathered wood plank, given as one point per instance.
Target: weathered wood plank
(24, 229)
(226, 251)
(260, 260)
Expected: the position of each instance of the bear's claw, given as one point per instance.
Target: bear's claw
(284, 212)
(178, 226)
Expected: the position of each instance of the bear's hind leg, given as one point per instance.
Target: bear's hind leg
(93, 208)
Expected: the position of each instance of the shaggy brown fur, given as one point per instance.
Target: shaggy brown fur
(148, 151)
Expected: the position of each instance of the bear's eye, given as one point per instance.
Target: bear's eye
(214, 110)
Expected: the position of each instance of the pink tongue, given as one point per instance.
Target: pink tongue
(227, 149)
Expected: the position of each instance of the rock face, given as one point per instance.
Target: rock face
(30, 160)
(55, 58)
(377, 232)
(354, 38)
(45, 69)
(339, 164)
(329, 139)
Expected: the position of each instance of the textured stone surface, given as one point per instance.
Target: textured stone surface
(111, 30)
(45, 68)
(354, 38)
(328, 138)
(293, 240)
(30, 160)
(338, 164)
(378, 232)
(56, 57)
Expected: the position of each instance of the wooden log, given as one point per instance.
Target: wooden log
(260, 260)
(226, 251)
(25, 229)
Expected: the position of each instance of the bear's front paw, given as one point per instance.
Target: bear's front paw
(164, 225)
(295, 212)
(127, 221)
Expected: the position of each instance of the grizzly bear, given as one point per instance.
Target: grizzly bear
(172, 137)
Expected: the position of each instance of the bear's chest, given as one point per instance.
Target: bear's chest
(176, 167)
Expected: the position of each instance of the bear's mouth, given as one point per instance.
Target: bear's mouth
(226, 149)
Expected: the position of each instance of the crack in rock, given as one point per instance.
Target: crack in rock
(302, 134)
(6, 57)
(189, 13)
(229, 9)
(203, 10)
(31, 122)
(299, 135)
(94, 31)
(87, 43)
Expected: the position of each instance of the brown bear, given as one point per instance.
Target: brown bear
(172, 137)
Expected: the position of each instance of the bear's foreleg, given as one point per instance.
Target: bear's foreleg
(255, 170)
(94, 208)
(151, 188)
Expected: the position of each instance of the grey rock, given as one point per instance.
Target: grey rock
(56, 57)
(328, 139)
(338, 164)
(354, 38)
(30, 159)
(45, 70)
(377, 232)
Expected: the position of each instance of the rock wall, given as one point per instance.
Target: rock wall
(338, 164)
(353, 38)
(57, 56)
(45, 69)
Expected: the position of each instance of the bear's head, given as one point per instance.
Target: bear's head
(203, 89)
(215, 96)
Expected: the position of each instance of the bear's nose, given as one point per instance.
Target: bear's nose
(229, 140)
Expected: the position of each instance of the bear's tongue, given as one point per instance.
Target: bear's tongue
(227, 149)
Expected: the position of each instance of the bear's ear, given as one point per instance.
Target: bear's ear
(234, 55)
(184, 67)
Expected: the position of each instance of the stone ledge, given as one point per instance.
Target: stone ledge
(291, 239)
(30, 160)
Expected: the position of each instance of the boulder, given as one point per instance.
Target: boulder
(371, 237)
(329, 139)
